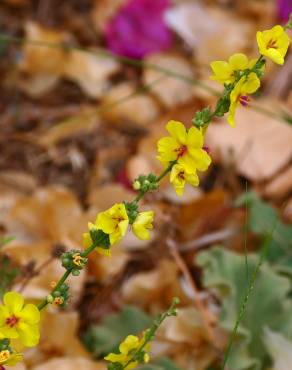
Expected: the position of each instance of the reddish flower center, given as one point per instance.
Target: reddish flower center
(244, 100)
(181, 151)
(181, 175)
(12, 321)
(272, 44)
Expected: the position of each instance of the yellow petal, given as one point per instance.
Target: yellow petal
(8, 332)
(177, 130)
(114, 357)
(30, 314)
(142, 223)
(4, 314)
(202, 159)
(129, 344)
(28, 334)
(13, 301)
(222, 72)
(194, 138)
(251, 85)
(188, 162)
(238, 61)
(14, 359)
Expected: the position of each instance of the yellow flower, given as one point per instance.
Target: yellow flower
(246, 85)
(224, 72)
(142, 223)
(127, 349)
(87, 242)
(9, 359)
(113, 222)
(273, 43)
(19, 320)
(179, 177)
(183, 146)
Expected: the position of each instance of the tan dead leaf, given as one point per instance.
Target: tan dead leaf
(90, 71)
(154, 289)
(211, 32)
(86, 121)
(59, 334)
(187, 327)
(258, 147)
(280, 186)
(137, 165)
(69, 363)
(103, 11)
(43, 64)
(279, 348)
(103, 197)
(188, 338)
(170, 90)
(104, 268)
(51, 213)
(124, 105)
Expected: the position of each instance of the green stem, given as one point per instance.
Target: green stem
(165, 172)
(159, 178)
(248, 292)
(150, 334)
(65, 276)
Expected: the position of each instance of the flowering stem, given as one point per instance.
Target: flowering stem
(158, 179)
(44, 303)
(150, 333)
(90, 249)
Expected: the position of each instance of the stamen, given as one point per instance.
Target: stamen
(12, 321)
(4, 356)
(181, 175)
(181, 151)
(244, 100)
(272, 44)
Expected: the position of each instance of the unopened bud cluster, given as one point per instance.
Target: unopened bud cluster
(146, 183)
(60, 296)
(74, 261)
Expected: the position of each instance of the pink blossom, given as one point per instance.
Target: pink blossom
(139, 29)
(284, 9)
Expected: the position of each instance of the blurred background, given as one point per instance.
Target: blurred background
(87, 87)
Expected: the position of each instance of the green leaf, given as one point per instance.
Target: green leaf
(163, 363)
(105, 337)
(8, 274)
(268, 304)
(264, 219)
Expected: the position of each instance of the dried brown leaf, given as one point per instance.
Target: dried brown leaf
(170, 90)
(258, 147)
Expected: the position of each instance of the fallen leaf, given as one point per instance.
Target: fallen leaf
(170, 90)
(280, 186)
(157, 287)
(211, 32)
(91, 71)
(128, 106)
(279, 348)
(59, 334)
(103, 11)
(43, 65)
(83, 122)
(66, 363)
(258, 147)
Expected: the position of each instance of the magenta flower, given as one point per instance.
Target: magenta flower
(284, 9)
(139, 29)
